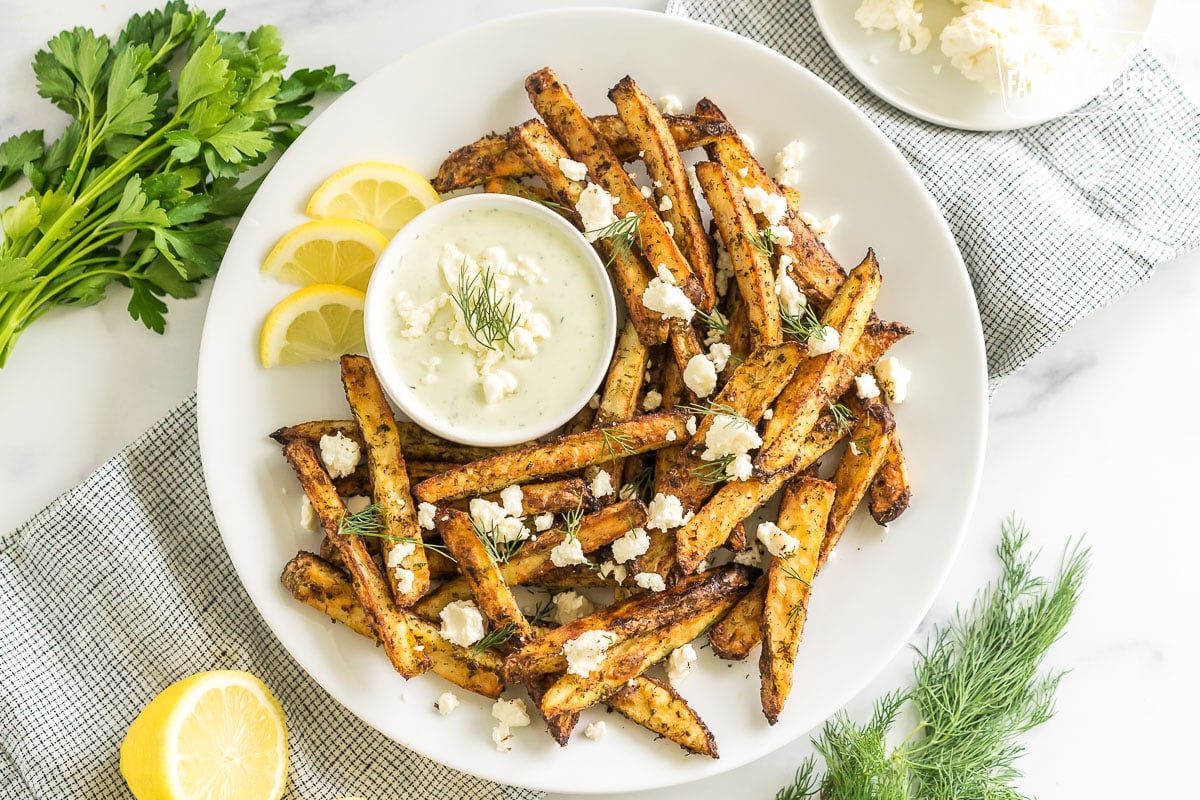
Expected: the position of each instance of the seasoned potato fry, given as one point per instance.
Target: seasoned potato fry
(563, 116)
(869, 442)
(741, 235)
(628, 659)
(322, 586)
(673, 197)
(389, 623)
(576, 576)
(737, 500)
(403, 548)
(564, 454)
(533, 559)
(890, 491)
(631, 618)
(631, 274)
(812, 388)
(482, 574)
(418, 444)
(538, 194)
(623, 386)
(741, 629)
(803, 514)
(657, 707)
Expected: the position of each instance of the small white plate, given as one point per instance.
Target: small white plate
(868, 599)
(946, 97)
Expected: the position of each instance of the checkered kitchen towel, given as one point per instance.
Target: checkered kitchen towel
(1053, 221)
(121, 587)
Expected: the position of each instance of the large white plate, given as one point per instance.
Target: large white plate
(947, 98)
(869, 599)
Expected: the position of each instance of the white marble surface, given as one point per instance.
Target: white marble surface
(1094, 437)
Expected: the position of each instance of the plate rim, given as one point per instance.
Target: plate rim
(927, 597)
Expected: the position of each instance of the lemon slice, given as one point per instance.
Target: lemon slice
(316, 323)
(213, 736)
(342, 251)
(384, 195)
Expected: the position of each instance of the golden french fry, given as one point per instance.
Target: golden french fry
(741, 629)
(659, 708)
(890, 490)
(869, 443)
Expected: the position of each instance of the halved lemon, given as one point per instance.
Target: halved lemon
(213, 736)
(380, 194)
(342, 251)
(316, 323)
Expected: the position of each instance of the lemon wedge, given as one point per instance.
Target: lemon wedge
(384, 195)
(212, 736)
(317, 323)
(341, 251)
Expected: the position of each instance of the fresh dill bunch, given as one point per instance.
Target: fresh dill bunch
(805, 783)
(494, 638)
(763, 241)
(489, 317)
(620, 235)
(803, 326)
(977, 686)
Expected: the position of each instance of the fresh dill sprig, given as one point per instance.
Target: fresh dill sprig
(367, 522)
(494, 638)
(616, 439)
(803, 326)
(797, 608)
(572, 520)
(842, 417)
(863, 445)
(716, 321)
(715, 409)
(977, 687)
(499, 550)
(763, 241)
(710, 473)
(620, 235)
(489, 318)
(804, 784)
(640, 486)
(543, 612)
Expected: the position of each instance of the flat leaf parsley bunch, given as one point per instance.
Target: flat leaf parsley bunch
(139, 187)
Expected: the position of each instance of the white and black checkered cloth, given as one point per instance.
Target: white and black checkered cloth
(1053, 221)
(122, 587)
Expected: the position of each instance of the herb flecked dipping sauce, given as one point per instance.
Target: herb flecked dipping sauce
(492, 321)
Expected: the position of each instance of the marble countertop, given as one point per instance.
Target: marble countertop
(1071, 449)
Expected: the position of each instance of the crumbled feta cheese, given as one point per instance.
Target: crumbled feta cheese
(782, 234)
(543, 522)
(769, 413)
(572, 170)
(511, 712)
(595, 730)
(743, 172)
(568, 552)
(865, 386)
(650, 581)
(787, 164)
(425, 514)
(665, 512)
(502, 737)
(631, 545)
(770, 205)
(485, 513)
(570, 606)
(690, 425)
(646, 191)
(497, 385)
(854, 448)
(901, 16)
(729, 436)
(462, 624)
(446, 702)
(679, 664)
(595, 207)
(724, 270)
(308, 517)
(751, 557)
(664, 203)
(670, 228)
(512, 499)
(398, 552)
(405, 578)
(415, 319)
(668, 299)
(671, 436)
(778, 542)
(818, 346)
(702, 567)
(791, 299)
(585, 652)
(339, 454)
(617, 573)
(719, 354)
(510, 529)
(740, 468)
(601, 485)
(893, 378)
(670, 104)
(594, 402)
(652, 400)
(700, 376)
(748, 142)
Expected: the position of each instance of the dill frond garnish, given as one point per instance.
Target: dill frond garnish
(620, 235)
(763, 241)
(489, 317)
(493, 638)
(842, 417)
(803, 326)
